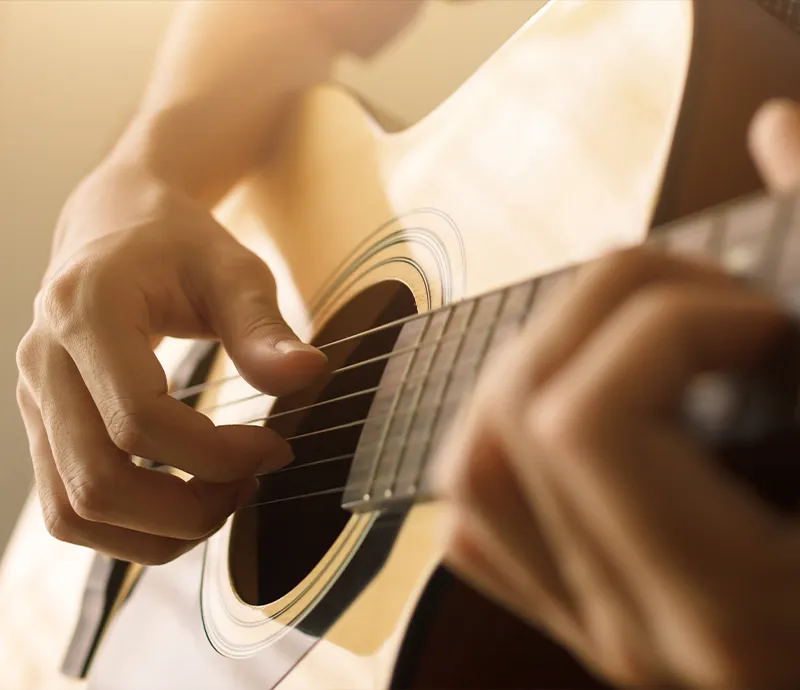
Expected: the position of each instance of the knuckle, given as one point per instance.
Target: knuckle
(88, 496)
(499, 391)
(616, 653)
(59, 520)
(124, 424)
(626, 265)
(28, 351)
(262, 325)
(60, 296)
(235, 261)
(208, 522)
(730, 660)
(242, 260)
(22, 394)
(626, 672)
(163, 553)
(660, 307)
(464, 478)
(459, 542)
(556, 421)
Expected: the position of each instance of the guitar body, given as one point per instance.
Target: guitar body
(597, 120)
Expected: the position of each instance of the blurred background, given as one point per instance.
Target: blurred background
(71, 72)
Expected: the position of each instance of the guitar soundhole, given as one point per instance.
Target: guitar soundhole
(275, 545)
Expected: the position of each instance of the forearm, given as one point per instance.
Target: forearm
(229, 72)
(225, 75)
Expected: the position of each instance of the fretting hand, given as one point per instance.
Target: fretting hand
(580, 504)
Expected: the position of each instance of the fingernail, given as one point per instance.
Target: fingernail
(289, 346)
(278, 457)
(248, 492)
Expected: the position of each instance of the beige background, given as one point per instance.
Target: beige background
(70, 75)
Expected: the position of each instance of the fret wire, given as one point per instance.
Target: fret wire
(420, 496)
(292, 497)
(303, 408)
(355, 423)
(438, 408)
(526, 311)
(769, 257)
(417, 496)
(777, 230)
(719, 225)
(661, 233)
(207, 385)
(364, 420)
(493, 330)
(477, 363)
(385, 431)
(336, 458)
(716, 236)
(373, 360)
(415, 406)
(777, 235)
(535, 285)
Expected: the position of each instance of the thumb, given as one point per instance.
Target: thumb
(242, 307)
(774, 141)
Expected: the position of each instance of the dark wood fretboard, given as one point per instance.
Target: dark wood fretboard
(438, 355)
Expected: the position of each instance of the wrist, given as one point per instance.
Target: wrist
(171, 148)
(116, 195)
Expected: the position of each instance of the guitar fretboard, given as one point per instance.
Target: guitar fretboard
(439, 355)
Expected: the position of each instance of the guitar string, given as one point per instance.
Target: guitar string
(421, 380)
(418, 496)
(441, 340)
(201, 387)
(336, 489)
(513, 322)
(294, 410)
(656, 240)
(190, 391)
(338, 427)
(295, 497)
(324, 461)
(336, 458)
(310, 494)
(440, 405)
(358, 422)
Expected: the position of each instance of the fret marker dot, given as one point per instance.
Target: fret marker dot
(387, 493)
(365, 497)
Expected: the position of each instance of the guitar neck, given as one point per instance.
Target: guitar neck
(439, 354)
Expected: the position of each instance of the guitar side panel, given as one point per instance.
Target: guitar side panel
(740, 58)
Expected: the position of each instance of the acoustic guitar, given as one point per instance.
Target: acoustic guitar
(407, 256)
